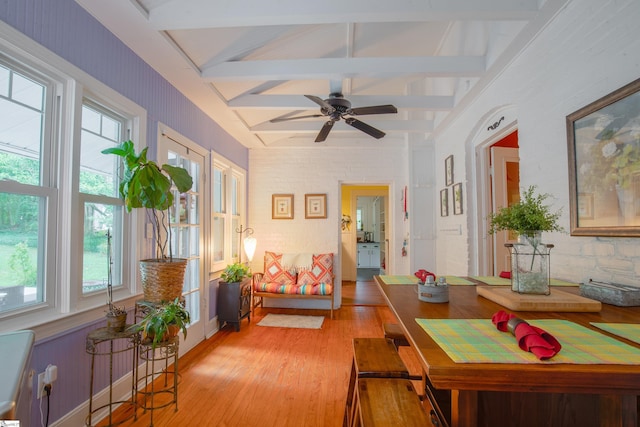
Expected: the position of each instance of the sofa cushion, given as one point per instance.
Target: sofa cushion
(320, 289)
(321, 272)
(275, 272)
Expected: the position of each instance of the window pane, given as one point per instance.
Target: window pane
(4, 81)
(21, 128)
(235, 241)
(97, 170)
(219, 193)
(28, 92)
(234, 196)
(20, 260)
(98, 219)
(218, 238)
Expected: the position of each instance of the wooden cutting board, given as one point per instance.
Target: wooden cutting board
(556, 301)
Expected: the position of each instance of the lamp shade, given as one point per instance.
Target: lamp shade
(250, 247)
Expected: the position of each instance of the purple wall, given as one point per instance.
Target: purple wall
(66, 29)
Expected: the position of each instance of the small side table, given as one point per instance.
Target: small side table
(234, 302)
(163, 352)
(101, 342)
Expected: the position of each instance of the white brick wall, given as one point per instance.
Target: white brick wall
(589, 50)
(319, 169)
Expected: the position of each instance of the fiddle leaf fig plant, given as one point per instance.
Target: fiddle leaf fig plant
(235, 272)
(145, 184)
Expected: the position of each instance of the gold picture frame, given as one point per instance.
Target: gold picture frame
(282, 206)
(315, 206)
(603, 144)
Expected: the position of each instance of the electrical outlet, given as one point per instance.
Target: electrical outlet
(41, 384)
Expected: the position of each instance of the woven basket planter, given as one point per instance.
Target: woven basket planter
(162, 279)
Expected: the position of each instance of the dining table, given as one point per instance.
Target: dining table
(569, 389)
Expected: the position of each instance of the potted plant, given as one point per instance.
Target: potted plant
(163, 321)
(116, 316)
(529, 217)
(235, 273)
(145, 184)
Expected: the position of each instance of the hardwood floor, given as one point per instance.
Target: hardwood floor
(265, 376)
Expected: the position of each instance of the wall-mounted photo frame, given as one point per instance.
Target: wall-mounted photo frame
(457, 198)
(444, 202)
(282, 206)
(448, 170)
(315, 206)
(603, 142)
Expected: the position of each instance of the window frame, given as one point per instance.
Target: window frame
(64, 305)
(231, 171)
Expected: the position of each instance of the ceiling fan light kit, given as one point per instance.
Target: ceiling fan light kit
(336, 107)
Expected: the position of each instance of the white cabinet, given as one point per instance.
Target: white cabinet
(368, 255)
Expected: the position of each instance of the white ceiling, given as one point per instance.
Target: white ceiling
(246, 62)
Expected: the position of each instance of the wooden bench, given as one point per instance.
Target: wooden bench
(390, 402)
(394, 332)
(372, 358)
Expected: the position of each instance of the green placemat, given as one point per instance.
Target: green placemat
(399, 280)
(558, 282)
(457, 280)
(492, 280)
(478, 341)
(630, 331)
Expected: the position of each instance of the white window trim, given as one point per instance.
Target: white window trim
(68, 310)
(230, 169)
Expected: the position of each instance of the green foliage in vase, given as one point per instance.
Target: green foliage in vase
(235, 272)
(528, 215)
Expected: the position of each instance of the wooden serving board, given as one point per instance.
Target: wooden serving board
(556, 301)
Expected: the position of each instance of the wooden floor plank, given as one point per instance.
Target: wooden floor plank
(271, 376)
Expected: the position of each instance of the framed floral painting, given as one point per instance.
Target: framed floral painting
(604, 165)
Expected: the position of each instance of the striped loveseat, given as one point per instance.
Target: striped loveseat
(308, 276)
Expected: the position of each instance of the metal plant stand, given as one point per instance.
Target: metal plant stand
(106, 342)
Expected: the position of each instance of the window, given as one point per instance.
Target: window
(228, 211)
(103, 209)
(58, 193)
(27, 193)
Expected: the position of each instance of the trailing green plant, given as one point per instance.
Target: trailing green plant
(144, 184)
(235, 272)
(159, 318)
(528, 215)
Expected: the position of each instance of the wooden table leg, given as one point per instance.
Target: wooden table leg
(464, 408)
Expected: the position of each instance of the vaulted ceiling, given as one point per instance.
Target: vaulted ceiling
(249, 63)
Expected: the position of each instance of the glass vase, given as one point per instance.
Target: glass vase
(530, 265)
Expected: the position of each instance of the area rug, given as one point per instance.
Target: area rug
(291, 321)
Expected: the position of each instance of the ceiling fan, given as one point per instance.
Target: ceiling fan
(336, 107)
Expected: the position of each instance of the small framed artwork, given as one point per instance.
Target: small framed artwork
(448, 170)
(282, 206)
(444, 202)
(457, 199)
(315, 206)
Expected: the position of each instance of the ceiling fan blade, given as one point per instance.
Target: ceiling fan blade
(370, 130)
(374, 109)
(321, 102)
(324, 132)
(284, 119)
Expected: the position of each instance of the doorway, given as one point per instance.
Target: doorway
(188, 230)
(505, 190)
(365, 242)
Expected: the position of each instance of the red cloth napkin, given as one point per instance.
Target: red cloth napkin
(530, 338)
(422, 275)
(505, 274)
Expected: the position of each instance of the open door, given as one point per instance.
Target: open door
(505, 190)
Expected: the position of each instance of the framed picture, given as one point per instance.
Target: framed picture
(448, 170)
(315, 206)
(603, 142)
(457, 199)
(282, 206)
(444, 202)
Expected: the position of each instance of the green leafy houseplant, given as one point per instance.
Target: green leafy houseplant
(161, 319)
(235, 272)
(145, 184)
(527, 216)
